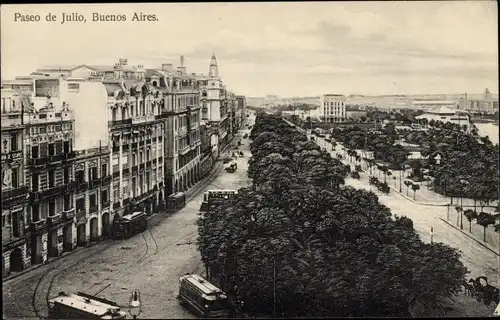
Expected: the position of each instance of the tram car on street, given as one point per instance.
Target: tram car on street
(216, 196)
(203, 298)
(176, 201)
(130, 224)
(83, 306)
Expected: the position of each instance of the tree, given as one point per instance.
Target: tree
(303, 244)
(407, 184)
(415, 187)
(470, 215)
(484, 219)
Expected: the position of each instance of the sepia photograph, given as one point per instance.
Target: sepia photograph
(250, 160)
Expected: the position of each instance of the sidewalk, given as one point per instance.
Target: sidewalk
(424, 195)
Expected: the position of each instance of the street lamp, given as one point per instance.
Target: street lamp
(463, 183)
(135, 306)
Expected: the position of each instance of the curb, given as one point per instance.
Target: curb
(215, 168)
(468, 235)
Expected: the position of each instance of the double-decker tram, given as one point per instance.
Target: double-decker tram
(176, 201)
(130, 224)
(216, 196)
(83, 306)
(203, 298)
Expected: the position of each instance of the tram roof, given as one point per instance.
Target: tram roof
(222, 191)
(133, 215)
(204, 285)
(86, 304)
(177, 195)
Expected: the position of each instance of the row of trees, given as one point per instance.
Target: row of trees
(299, 243)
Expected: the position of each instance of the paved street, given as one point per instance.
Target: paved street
(479, 260)
(150, 262)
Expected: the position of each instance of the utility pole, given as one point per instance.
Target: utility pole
(432, 235)
(274, 286)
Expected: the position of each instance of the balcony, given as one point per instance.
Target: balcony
(82, 186)
(54, 219)
(69, 214)
(93, 209)
(94, 183)
(148, 164)
(57, 158)
(50, 192)
(125, 171)
(126, 201)
(155, 161)
(72, 185)
(134, 170)
(154, 139)
(37, 161)
(14, 193)
(80, 213)
(12, 155)
(125, 147)
(116, 149)
(184, 150)
(69, 155)
(105, 204)
(106, 180)
(38, 225)
(134, 145)
(116, 174)
(116, 124)
(116, 205)
(148, 141)
(142, 119)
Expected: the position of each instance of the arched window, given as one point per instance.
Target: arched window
(155, 84)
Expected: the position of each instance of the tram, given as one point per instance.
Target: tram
(130, 224)
(203, 298)
(176, 201)
(214, 197)
(83, 306)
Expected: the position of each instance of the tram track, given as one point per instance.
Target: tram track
(46, 281)
(44, 285)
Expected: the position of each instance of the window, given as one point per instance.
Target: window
(104, 196)
(116, 193)
(35, 212)
(15, 177)
(67, 202)
(66, 175)
(66, 147)
(80, 204)
(34, 182)
(52, 149)
(52, 179)
(80, 176)
(34, 152)
(52, 208)
(14, 146)
(93, 200)
(93, 174)
(104, 169)
(16, 227)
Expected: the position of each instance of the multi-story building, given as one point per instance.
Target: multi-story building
(241, 110)
(332, 107)
(15, 255)
(180, 114)
(487, 104)
(49, 157)
(214, 107)
(131, 164)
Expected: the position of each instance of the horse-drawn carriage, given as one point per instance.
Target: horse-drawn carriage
(231, 167)
(487, 293)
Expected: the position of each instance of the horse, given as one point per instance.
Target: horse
(468, 289)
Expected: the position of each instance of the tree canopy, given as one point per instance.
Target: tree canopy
(300, 242)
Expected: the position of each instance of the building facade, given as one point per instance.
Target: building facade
(444, 114)
(332, 107)
(214, 105)
(241, 110)
(180, 114)
(49, 173)
(15, 256)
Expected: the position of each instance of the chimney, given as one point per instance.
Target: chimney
(166, 66)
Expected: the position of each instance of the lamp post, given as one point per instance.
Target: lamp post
(463, 183)
(135, 306)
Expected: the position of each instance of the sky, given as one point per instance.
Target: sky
(285, 49)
